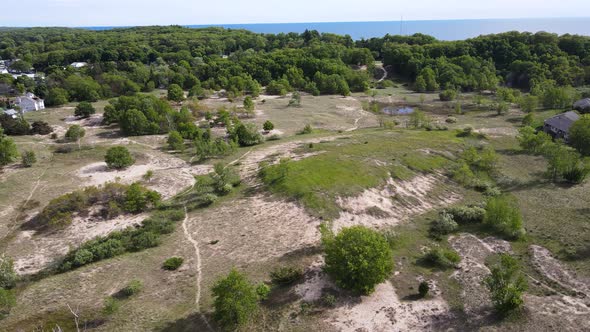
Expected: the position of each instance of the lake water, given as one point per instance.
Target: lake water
(443, 29)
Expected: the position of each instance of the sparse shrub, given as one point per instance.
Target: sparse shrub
(358, 258)
(466, 132)
(503, 215)
(506, 284)
(528, 119)
(441, 258)
(329, 300)
(286, 275)
(175, 141)
(7, 301)
(132, 288)
(448, 95)
(41, 128)
(28, 158)
(172, 263)
(306, 130)
(423, 289)
(53, 136)
(445, 224)
(262, 290)
(138, 198)
(209, 199)
(268, 126)
(463, 174)
(235, 301)
(118, 157)
(274, 137)
(111, 305)
(451, 119)
(84, 110)
(8, 275)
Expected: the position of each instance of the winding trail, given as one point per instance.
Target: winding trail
(195, 244)
(33, 190)
(384, 73)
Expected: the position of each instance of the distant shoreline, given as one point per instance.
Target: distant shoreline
(440, 29)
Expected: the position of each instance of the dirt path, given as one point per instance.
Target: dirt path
(384, 74)
(195, 244)
(356, 124)
(33, 190)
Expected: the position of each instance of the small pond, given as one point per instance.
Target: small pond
(389, 110)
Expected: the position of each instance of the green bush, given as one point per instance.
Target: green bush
(506, 284)
(467, 214)
(262, 290)
(329, 300)
(132, 288)
(172, 263)
(28, 158)
(443, 225)
(503, 215)
(8, 275)
(118, 157)
(138, 198)
(84, 110)
(441, 258)
(448, 95)
(111, 305)
(423, 289)
(358, 258)
(7, 301)
(235, 300)
(268, 126)
(286, 275)
(451, 119)
(306, 130)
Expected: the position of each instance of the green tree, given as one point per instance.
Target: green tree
(84, 109)
(175, 141)
(420, 84)
(7, 301)
(175, 93)
(134, 122)
(579, 135)
(8, 276)
(448, 95)
(28, 158)
(246, 134)
(236, 300)
(506, 284)
(248, 104)
(503, 215)
(268, 126)
(533, 142)
(295, 100)
(118, 157)
(529, 103)
(139, 199)
(75, 134)
(8, 151)
(57, 97)
(358, 258)
(528, 120)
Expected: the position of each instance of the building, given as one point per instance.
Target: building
(12, 113)
(559, 125)
(79, 64)
(582, 105)
(29, 103)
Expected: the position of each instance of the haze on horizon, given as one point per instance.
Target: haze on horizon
(77, 13)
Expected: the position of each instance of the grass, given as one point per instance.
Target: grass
(347, 167)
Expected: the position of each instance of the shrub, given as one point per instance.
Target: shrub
(172, 263)
(306, 130)
(138, 198)
(75, 133)
(246, 134)
(235, 301)
(580, 135)
(175, 93)
(262, 290)
(448, 95)
(8, 276)
(28, 158)
(503, 215)
(451, 119)
(111, 305)
(132, 288)
(466, 132)
(118, 157)
(41, 128)
(423, 289)
(84, 109)
(286, 275)
(528, 119)
(8, 151)
(268, 126)
(445, 224)
(175, 141)
(329, 300)
(467, 214)
(441, 258)
(358, 258)
(506, 284)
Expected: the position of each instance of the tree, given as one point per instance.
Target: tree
(448, 95)
(268, 126)
(57, 97)
(175, 141)
(503, 215)
(420, 84)
(423, 289)
(139, 199)
(358, 258)
(8, 276)
(528, 119)
(41, 128)
(506, 284)
(118, 157)
(295, 100)
(246, 134)
(533, 142)
(8, 151)
(28, 158)
(175, 93)
(84, 110)
(579, 135)
(248, 104)
(7, 301)
(500, 107)
(236, 300)
(529, 103)
(75, 133)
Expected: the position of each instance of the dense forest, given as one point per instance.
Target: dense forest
(127, 61)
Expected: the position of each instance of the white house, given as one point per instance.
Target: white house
(29, 103)
(79, 64)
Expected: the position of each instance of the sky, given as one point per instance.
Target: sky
(77, 13)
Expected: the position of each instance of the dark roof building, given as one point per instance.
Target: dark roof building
(583, 105)
(559, 125)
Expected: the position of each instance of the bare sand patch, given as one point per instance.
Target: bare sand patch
(316, 281)
(384, 311)
(395, 202)
(498, 132)
(554, 270)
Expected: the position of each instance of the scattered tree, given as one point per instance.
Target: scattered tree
(8, 275)
(235, 301)
(358, 258)
(506, 284)
(295, 100)
(248, 104)
(579, 135)
(118, 157)
(28, 158)
(268, 126)
(175, 141)
(75, 134)
(172, 263)
(423, 289)
(8, 151)
(84, 109)
(503, 215)
(175, 93)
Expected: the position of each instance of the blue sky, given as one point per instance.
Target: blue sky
(185, 12)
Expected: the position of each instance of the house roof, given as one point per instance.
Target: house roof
(10, 112)
(563, 121)
(582, 104)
